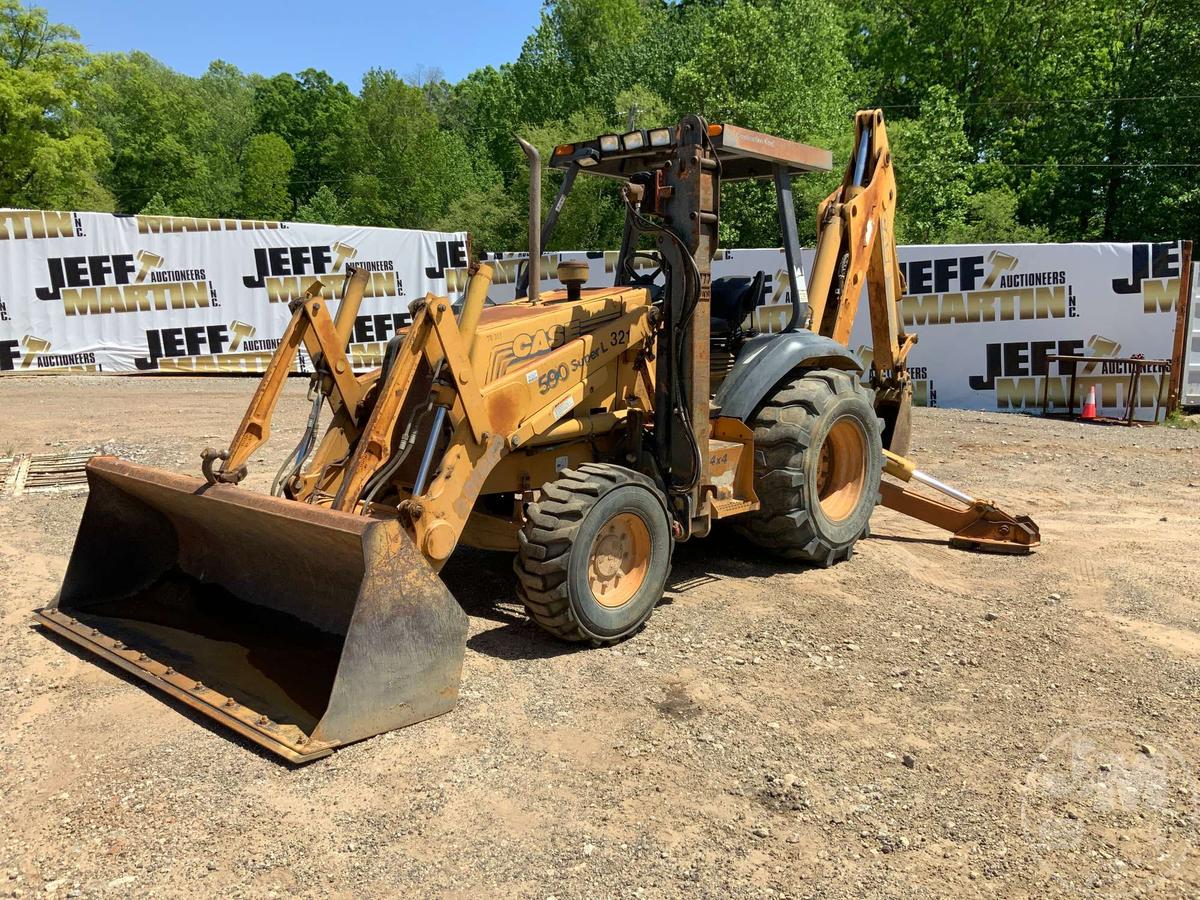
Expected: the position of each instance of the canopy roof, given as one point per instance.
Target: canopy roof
(743, 153)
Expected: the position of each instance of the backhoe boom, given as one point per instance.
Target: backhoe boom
(856, 247)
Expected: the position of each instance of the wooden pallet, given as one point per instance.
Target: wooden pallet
(44, 472)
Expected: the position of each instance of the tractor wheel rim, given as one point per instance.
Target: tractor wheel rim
(619, 560)
(842, 469)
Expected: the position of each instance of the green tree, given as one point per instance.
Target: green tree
(990, 216)
(1148, 194)
(593, 216)
(1011, 119)
(584, 53)
(156, 125)
(323, 207)
(483, 109)
(314, 114)
(406, 169)
(49, 157)
(227, 96)
(777, 67)
(266, 170)
(1072, 102)
(932, 170)
(493, 217)
(156, 206)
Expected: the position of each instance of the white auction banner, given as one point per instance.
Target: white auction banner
(93, 292)
(988, 316)
(1191, 352)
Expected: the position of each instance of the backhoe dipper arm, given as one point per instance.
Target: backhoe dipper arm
(856, 245)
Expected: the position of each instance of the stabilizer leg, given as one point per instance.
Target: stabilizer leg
(980, 526)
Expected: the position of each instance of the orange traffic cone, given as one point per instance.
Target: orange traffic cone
(1089, 407)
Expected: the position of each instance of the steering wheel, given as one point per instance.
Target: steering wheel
(641, 279)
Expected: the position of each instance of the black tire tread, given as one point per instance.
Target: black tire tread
(551, 523)
(782, 435)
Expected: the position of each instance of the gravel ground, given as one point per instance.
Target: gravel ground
(915, 721)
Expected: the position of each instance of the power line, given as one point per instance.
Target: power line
(1055, 164)
(1166, 165)
(900, 164)
(320, 182)
(1061, 101)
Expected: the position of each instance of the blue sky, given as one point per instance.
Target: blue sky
(272, 36)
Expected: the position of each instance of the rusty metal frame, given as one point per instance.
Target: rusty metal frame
(434, 336)
(374, 446)
(454, 353)
(743, 154)
(742, 497)
(856, 247)
(692, 198)
(976, 525)
(1137, 368)
(1183, 318)
(861, 217)
(741, 149)
(517, 411)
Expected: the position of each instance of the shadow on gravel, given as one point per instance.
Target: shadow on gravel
(907, 539)
(484, 585)
(521, 639)
(723, 554)
(217, 729)
(479, 579)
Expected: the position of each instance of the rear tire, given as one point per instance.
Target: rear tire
(818, 458)
(595, 552)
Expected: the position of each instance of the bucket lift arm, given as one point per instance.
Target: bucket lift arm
(325, 339)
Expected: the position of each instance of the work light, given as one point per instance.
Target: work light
(660, 137)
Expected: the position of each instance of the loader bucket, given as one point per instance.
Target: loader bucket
(301, 628)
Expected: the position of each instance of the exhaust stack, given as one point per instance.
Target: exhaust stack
(533, 271)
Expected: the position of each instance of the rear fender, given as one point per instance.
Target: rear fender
(766, 360)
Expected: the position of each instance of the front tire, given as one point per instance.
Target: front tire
(818, 459)
(595, 552)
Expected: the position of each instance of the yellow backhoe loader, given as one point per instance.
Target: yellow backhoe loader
(586, 430)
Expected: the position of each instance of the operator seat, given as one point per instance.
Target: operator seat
(734, 297)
